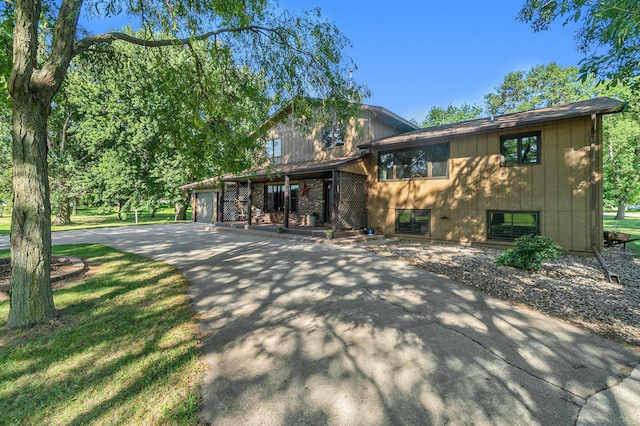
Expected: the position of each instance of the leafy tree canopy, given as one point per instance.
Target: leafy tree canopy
(298, 56)
(451, 114)
(609, 34)
(541, 86)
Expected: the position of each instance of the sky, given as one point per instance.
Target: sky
(414, 55)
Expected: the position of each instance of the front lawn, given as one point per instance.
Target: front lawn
(123, 350)
(88, 217)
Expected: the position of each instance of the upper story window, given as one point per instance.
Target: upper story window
(429, 161)
(332, 136)
(274, 148)
(519, 149)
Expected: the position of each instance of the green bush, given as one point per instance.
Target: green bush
(529, 251)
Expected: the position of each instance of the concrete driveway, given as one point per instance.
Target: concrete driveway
(300, 333)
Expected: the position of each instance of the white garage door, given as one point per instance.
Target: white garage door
(204, 207)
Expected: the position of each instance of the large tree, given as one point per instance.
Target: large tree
(300, 56)
(621, 155)
(539, 87)
(136, 143)
(608, 34)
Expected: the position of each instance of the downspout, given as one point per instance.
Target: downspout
(594, 201)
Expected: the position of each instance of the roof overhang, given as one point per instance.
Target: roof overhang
(302, 170)
(597, 106)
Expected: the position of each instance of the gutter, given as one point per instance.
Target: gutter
(611, 277)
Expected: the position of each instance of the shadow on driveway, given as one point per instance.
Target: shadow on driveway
(300, 333)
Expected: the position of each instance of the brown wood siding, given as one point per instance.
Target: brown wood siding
(558, 187)
(298, 147)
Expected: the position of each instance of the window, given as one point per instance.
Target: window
(274, 148)
(520, 149)
(509, 225)
(429, 161)
(274, 198)
(413, 222)
(332, 136)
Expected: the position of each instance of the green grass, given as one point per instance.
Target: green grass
(630, 225)
(123, 350)
(97, 218)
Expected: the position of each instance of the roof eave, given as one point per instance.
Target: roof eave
(485, 125)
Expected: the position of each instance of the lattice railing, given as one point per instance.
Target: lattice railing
(352, 204)
(236, 196)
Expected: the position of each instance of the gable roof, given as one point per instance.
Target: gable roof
(598, 106)
(389, 117)
(380, 113)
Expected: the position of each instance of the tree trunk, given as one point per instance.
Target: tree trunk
(182, 206)
(181, 211)
(63, 214)
(31, 295)
(622, 208)
(75, 206)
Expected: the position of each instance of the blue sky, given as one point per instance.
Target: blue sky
(414, 55)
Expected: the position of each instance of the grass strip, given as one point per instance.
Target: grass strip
(124, 348)
(101, 218)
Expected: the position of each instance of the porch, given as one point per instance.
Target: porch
(317, 233)
(323, 195)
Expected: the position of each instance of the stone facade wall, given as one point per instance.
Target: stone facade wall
(257, 195)
(313, 201)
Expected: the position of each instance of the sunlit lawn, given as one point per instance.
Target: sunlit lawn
(95, 218)
(630, 225)
(123, 350)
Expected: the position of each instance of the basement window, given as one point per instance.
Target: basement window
(417, 222)
(509, 225)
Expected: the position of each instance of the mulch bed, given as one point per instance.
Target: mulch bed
(58, 265)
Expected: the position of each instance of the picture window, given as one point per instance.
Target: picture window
(429, 161)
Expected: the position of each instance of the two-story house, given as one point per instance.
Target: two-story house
(319, 171)
(481, 181)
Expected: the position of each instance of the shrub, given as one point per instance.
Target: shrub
(529, 251)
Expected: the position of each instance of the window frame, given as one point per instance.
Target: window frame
(417, 225)
(511, 235)
(270, 146)
(519, 137)
(338, 129)
(274, 194)
(428, 165)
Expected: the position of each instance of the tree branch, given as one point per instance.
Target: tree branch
(88, 42)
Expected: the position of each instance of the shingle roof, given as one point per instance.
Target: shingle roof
(306, 167)
(598, 106)
(298, 168)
